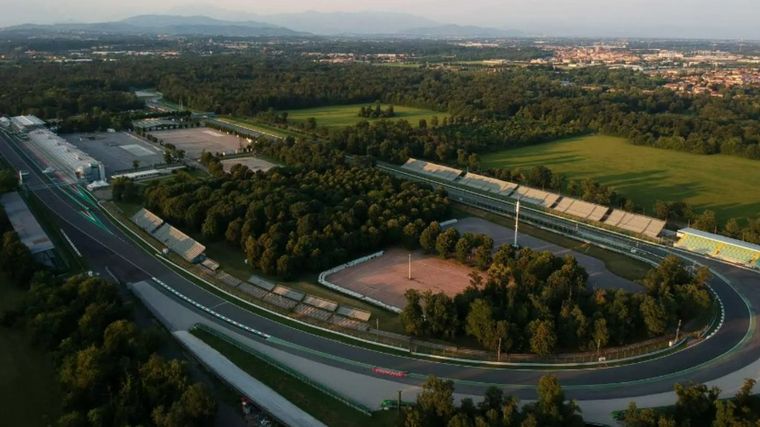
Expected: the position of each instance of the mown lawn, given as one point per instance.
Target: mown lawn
(348, 115)
(29, 392)
(726, 184)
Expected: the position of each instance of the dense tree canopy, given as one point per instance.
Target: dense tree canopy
(290, 220)
(536, 302)
(435, 407)
(108, 368)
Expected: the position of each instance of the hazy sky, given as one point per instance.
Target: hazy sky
(687, 18)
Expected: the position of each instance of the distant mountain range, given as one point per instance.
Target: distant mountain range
(166, 24)
(280, 25)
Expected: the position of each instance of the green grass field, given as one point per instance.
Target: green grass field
(348, 115)
(255, 125)
(728, 185)
(320, 405)
(29, 392)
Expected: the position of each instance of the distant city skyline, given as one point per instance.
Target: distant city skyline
(734, 19)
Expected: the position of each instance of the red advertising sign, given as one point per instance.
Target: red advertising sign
(389, 372)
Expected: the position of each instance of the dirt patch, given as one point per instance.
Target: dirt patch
(386, 278)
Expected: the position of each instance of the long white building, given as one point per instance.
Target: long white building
(64, 156)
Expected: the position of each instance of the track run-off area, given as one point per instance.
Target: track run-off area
(110, 250)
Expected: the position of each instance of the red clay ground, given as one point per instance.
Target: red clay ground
(385, 278)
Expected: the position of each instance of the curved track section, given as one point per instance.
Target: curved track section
(735, 344)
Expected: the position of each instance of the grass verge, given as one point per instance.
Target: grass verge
(348, 115)
(317, 403)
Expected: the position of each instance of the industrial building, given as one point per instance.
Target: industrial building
(28, 229)
(64, 156)
(27, 123)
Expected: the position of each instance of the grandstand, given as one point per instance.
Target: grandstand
(535, 197)
(228, 279)
(320, 303)
(262, 283)
(179, 242)
(581, 209)
(253, 290)
(721, 247)
(431, 169)
(354, 313)
(147, 220)
(634, 223)
(346, 322)
(492, 185)
(288, 293)
(313, 312)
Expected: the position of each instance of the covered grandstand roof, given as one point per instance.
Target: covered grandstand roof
(432, 169)
(721, 239)
(179, 242)
(489, 184)
(25, 224)
(147, 220)
(581, 209)
(717, 246)
(536, 197)
(636, 223)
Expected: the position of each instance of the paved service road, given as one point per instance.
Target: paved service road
(735, 345)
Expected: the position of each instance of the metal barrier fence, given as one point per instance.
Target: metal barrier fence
(287, 370)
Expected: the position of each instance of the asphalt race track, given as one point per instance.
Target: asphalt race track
(110, 252)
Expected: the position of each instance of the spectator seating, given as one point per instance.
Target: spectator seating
(635, 223)
(354, 313)
(253, 290)
(431, 169)
(349, 323)
(717, 246)
(262, 283)
(313, 312)
(535, 197)
(179, 242)
(491, 185)
(320, 303)
(147, 220)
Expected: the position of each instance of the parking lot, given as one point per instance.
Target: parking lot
(117, 151)
(197, 140)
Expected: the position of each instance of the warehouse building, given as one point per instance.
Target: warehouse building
(28, 229)
(64, 156)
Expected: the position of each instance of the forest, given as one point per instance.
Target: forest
(696, 405)
(97, 349)
(528, 301)
(290, 220)
(509, 108)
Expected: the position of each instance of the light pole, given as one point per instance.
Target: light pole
(410, 267)
(517, 220)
